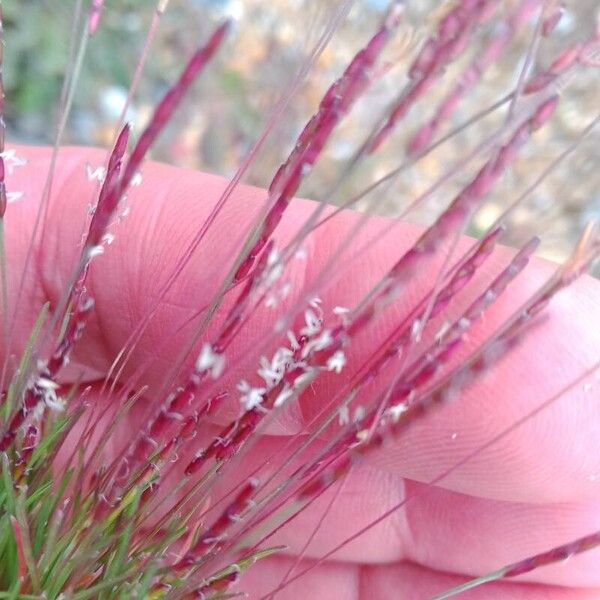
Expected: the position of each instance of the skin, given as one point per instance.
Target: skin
(535, 488)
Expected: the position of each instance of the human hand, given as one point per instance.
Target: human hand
(536, 487)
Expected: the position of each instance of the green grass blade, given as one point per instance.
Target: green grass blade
(15, 388)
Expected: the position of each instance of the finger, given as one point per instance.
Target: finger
(169, 208)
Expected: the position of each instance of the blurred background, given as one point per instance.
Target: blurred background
(271, 41)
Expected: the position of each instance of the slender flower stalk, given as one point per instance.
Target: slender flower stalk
(555, 555)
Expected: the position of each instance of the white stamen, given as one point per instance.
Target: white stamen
(274, 268)
(86, 305)
(252, 397)
(272, 371)
(285, 290)
(344, 415)
(317, 344)
(281, 357)
(397, 411)
(415, 330)
(209, 360)
(442, 331)
(11, 160)
(271, 300)
(172, 415)
(362, 435)
(47, 384)
(340, 310)
(294, 343)
(313, 323)
(301, 254)
(149, 439)
(490, 296)
(38, 411)
(275, 296)
(213, 540)
(270, 375)
(14, 196)
(53, 402)
(95, 174)
(464, 323)
(359, 414)
(273, 257)
(93, 251)
(337, 361)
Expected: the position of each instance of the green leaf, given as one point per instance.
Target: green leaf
(15, 388)
(30, 562)
(8, 485)
(118, 562)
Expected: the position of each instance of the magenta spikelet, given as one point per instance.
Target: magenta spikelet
(557, 554)
(336, 102)
(453, 36)
(95, 15)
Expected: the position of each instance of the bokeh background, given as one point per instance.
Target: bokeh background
(229, 108)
